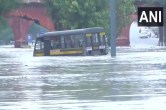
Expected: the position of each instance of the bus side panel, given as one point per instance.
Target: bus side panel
(66, 52)
(38, 53)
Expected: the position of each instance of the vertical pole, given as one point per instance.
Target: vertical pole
(164, 36)
(161, 36)
(21, 39)
(113, 27)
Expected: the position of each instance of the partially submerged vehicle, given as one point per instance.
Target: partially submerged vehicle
(85, 42)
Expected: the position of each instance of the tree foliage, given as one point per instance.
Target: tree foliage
(162, 2)
(72, 14)
(152, 2)
(6, 35)
(78, 13)
(124, 9)
(5, 7)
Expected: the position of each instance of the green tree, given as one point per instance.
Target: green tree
(72, 14)
(124, 9)
(5, 7)
(162, 2)
(77, 13)
(152, 2)
(6, 35)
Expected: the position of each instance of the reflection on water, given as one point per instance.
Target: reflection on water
(135, 79)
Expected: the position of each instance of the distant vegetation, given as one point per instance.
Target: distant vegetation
(72, 14)
(5, 7)
(162, 2)
(6, 34)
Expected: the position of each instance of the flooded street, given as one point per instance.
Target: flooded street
(134, 80)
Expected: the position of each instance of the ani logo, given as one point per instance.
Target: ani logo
(150, 16)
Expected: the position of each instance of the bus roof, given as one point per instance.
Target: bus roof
(70, 32)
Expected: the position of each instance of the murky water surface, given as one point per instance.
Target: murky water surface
(134, 80)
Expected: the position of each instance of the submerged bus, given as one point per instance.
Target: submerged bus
(85, 42)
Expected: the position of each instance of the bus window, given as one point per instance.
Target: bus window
(72, 41)
(78, 41)
(55, 43)
(95, 39)
(102, 38)
(68, 42)
(62, 42)
(89, 40)
(39, 45)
